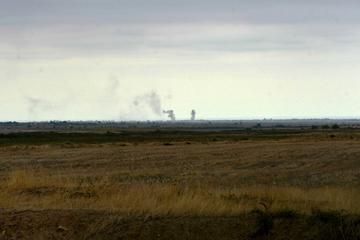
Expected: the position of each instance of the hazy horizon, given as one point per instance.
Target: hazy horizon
(130, 60)
(349, 119)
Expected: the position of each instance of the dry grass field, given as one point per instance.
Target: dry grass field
(222, 180)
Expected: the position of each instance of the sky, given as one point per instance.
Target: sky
(130, 60)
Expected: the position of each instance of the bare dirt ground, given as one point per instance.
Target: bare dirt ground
(268, 188)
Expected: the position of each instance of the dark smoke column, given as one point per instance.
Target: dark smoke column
(193, 115)
(170, 114)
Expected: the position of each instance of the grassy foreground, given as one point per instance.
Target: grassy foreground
(167, 211)
(302, 186)
(39, 190)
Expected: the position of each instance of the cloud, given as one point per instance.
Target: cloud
(218, 48)
(154, 40)
(66, 29)
(42, 12)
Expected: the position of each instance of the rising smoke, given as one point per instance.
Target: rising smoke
(113, 85)
(37, 105)
(150, 100)
(171, 114)
(193, 115)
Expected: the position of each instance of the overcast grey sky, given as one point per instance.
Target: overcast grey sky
(126, 60)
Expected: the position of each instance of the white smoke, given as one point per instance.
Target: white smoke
(38, 106)
(151, 101)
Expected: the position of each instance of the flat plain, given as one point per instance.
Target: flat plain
(157, 184)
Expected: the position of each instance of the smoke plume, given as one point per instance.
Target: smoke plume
(150, 100)
(193, 115)
(37, 105)
(170, 114)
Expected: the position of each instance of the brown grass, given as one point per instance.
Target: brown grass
(30, 189)
(217, 178)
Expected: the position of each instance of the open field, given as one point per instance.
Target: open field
(152, 184)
